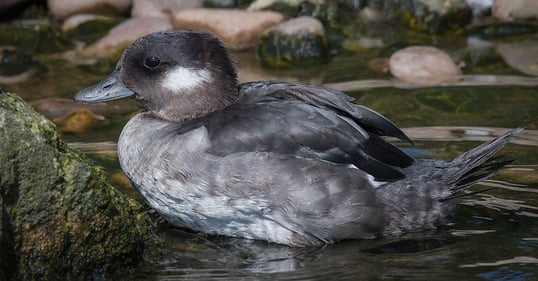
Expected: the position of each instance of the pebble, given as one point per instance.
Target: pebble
(507, 10)
(125, 33)
(238, 29)
(78, 121)
(162, 8)
(423, 65)
(62, 9)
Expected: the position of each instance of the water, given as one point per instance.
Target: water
(492, 236)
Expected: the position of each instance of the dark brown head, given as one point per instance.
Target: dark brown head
(176, 75)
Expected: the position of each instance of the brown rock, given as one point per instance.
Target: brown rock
(61, 9)
(79, 121)
(514, 9)
(124, 34)
(238, 29)
(423, 65)
(162, 8)
(522, 56)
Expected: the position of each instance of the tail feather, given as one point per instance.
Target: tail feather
(477, 164)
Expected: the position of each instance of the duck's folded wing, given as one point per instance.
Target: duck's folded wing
(299, 128)
(328, 98)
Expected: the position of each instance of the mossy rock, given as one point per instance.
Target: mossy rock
(297, 42)
(59, 217)
(431, 16)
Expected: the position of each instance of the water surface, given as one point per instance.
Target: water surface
(492, 236)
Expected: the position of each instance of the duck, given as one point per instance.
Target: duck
(298, 165)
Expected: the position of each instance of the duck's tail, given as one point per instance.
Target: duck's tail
(426, 197)
(476, 165)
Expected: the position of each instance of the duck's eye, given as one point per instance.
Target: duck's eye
(152, 61)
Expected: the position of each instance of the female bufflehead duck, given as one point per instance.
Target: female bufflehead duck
(292, 164)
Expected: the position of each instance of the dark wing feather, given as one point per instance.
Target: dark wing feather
(307, 122)
(329, 98)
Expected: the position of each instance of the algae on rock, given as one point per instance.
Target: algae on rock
(59, 218)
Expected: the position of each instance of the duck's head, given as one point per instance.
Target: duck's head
(176, 75)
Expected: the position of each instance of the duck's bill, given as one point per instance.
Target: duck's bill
(112, 88)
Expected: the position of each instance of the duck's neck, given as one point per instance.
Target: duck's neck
(200, 101)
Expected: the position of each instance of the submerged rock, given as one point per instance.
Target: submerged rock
(60, 219)
(423, 65)
(297, 41)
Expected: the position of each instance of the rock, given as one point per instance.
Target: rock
(432, 16)
(16, 66)
(162, 8)
(297, 41)
(515, 9)
(78, 121)
(35, 36)
(480, 6)
(125, 33)
(264, 4)
(379, 66)
(289, 8)
(226, 4)
(75, 21)
(522, 56)
(423, 65)
(238, 29)
(62, 9)
(497, 30)
(60, 220)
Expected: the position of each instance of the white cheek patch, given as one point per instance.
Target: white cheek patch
(180, 78)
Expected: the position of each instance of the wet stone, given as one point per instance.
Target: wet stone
(297, 41)
(432, 16)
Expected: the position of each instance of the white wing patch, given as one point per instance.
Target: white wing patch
(180, 78)
(371, 178)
